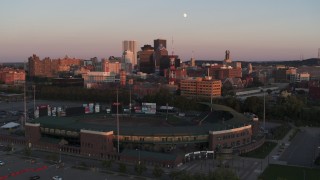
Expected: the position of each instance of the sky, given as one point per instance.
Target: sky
(252, 30)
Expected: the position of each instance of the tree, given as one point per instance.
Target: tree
(225, 174)
(253, 104)
(27, 151)
(107, 163)
(122, 168)
(157, 171)
(140, 168)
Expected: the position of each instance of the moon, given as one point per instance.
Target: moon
(185, 15)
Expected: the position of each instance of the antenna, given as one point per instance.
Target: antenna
(172, 46)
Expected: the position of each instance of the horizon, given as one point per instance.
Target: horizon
(252, 31)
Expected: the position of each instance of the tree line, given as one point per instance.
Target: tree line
(292, 108)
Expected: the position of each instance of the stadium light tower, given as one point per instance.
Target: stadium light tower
(118, 121)
(24, 104)
(264, 110)
(34, 97)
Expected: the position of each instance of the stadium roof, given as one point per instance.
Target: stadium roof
(222, 118)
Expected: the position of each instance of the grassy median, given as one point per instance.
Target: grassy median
(262, 151)
(274, 171)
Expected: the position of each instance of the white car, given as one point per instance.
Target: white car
(57, 178)
(1, 163)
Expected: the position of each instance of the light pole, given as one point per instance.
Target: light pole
(264, 110)
(138, 155)
(167, 113)
(264, 104)
(118, 149)
(211, 94)
(60, 155)
(34, 97)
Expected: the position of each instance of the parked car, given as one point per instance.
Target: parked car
(34, 177)
(1, 163)
(57, 178)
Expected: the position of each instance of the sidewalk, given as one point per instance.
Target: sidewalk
(273, 156)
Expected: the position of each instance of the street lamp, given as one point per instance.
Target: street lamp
(34, 97)
(138, 155)
(60, 155)
(264, 108)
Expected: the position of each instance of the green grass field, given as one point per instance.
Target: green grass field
(274, 172)
(262, 151)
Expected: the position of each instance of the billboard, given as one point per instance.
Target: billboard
(49, 110)
(91, 108)
(43, 110)
(54, 111)
(97, 108)
(86, 108)
(149, 108)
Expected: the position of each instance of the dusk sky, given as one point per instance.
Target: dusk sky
(250, 29)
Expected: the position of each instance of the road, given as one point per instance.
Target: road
(304, 148)
(17, 168)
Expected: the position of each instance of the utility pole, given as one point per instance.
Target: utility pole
(264, 110)
(211, 94)
(34, 97)
(118, 121)
(24, 104)
(264, 105)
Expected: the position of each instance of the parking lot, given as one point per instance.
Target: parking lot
(17, 168)
(303, 148)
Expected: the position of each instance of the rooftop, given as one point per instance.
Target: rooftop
(221, 118)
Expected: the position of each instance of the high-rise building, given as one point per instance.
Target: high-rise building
(131, 46)
(159, 44)
(111, 66)
(158, 55)
(145, 58)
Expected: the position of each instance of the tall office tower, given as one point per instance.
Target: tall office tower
(145, 58)
(193, 62)
(131, 46)
(159, 44)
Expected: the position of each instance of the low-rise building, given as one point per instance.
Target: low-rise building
(12, 76)
(200, 87)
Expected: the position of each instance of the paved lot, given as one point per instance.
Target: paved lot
(244, 167)
(303, 148)
(16, 168)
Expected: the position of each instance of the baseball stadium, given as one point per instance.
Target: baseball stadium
(161, 138)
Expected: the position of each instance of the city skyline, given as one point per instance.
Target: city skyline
(251, 30)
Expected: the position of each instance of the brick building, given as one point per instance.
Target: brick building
(12, 76)
(50, 67)
(200, 87)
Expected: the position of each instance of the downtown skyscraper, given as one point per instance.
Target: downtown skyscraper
(130, 45)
